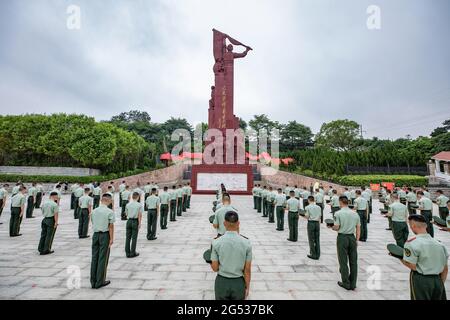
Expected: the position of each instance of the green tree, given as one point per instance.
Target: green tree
(295, 135)
(340, 135)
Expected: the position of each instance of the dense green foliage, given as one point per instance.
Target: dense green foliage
(365, 180)
(69, 140)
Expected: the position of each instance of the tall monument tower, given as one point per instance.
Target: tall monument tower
(238, 178)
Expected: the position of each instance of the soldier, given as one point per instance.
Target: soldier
(330, 191)
(30, 202)
(254, 196)
(219, 215)
(280, 205)
(362, 208)
(402, 194)
(305, 195)
(79, 192)
(139, 190)
(102, 240)
(85, 204)
(312, 214)
(164, 198)
(426, 210)
(231, 258)
(334, 202)
(287, 190)
(388, 200)
(293, 207)
(97, 193)
(113, 189)
(189, 194)
(3, 198)
(367, 194)
(50, 211)
(133, 212)
(122, 187)
(39, 194)
(318, 198)
(147, 190)
(348, 194)
(297, 192)
(347, 224)
(427, 260)
(258, 199)
(411, 199)
(152, 202)
(173, 203)
(125, 198)
(352, 196)
(426, 193)
(17, 211)
(264, 201)
(16, 189)
(271, 205)
(398, 213)
(184, 195)
(441, 201)
(179, 200)
(73, 187)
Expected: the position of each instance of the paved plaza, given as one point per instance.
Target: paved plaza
(172, 267)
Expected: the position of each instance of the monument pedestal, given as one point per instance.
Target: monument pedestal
(237, 178)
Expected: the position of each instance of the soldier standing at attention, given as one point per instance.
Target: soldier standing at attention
(411, 198)
(164, 199)
(388, 200)
(73, 187)
(347, 193)
(111, 193)
(231, 257)
(426, 193)
(287, 190)
(362, 208)
(293, 206)
(133, 211)
(50, 211)
(398, 213)
(330, 191)
(122, 187)
(305, 195)
(264, 201)
(347, 224)
(16, 189)
(334, 202)
(271, 205)
(297, 192)
(318, 198)
(426, 210)
(147, 191)
(3, 198)
(85, 204)
(219, 215)
(367, 194)
(17, 211)
(441, 201)
(39, 194)
(97, 193)
(103, 226)
(312, 214)
(254, 196)
(179, 200)
(280, 205)
(79, 192)
(139, 190)
(173, 203)
(427, 260)
(258, 199)
(352, 196)
(184, 193)
(152, 202)
(125, 199)
(402, 194)
(31, 198)
(189, 194)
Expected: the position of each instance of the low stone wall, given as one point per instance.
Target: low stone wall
(280, 178)
(163, 177)
(49, 171)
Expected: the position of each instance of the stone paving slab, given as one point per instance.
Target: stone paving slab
(172, 266)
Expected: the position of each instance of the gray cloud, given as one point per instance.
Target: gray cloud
(313, 61)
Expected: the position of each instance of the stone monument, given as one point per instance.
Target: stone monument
(237, 176)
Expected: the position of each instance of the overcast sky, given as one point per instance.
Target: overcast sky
(313, 61)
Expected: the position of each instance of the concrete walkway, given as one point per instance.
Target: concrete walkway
(172, 266)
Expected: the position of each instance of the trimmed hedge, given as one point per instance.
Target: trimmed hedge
(399, 180)
(68, 179)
